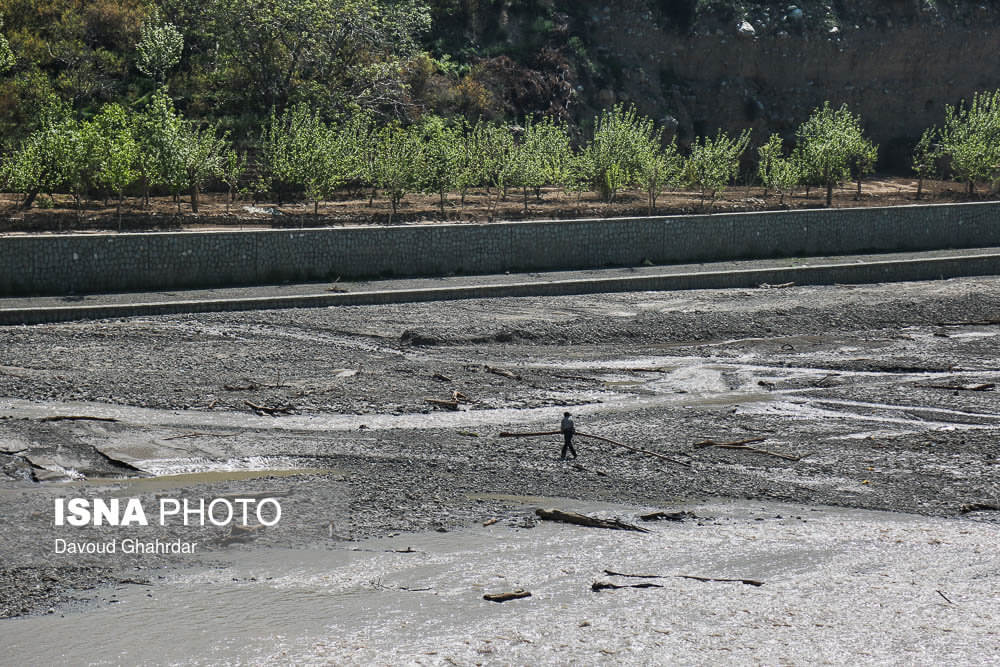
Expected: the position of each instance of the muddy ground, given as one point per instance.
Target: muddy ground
(884, 391)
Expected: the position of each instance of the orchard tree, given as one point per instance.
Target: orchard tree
(202, 151)
(115, 152)
(970, 138)
(441, 161)
(159, 133)
(46, 160)
(925, 157)
(714, 162)
(658, 168)
(544, 156)
(294, 154)
(776, 172)
(234, 165)
(397, 163)
(829, 144)
(619, 136)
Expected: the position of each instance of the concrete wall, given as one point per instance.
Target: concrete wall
(82, 263)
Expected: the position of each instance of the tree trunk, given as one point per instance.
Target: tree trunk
(920, 187)
(525, 199)
(120, 196)
(194, 197)
(29, 199)
(829, 194)
(442, 202)
(857, 197)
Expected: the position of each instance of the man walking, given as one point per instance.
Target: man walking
(568, 429)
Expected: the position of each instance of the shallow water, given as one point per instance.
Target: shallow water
(840, 586)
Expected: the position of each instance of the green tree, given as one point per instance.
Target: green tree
(970, 138)
(440, 157)
(159, 133)
(619, 136)
(294, 154)
(397, 163)
(776, 172)
(714, 162)
(159, 48)
(658, 167)
(829, 143)
(329, 53)
(202, 151)
(544, 156)
(234, 165)
(46, 159)
(925, 157)
(115, 152)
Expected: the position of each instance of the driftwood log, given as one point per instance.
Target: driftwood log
(748, 582)
(578, 434)
(584, 520)
(604, 585)
(76, 418)
(987, 386)
(504, 597)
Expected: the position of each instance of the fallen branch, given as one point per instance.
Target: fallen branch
(76, 418)
(442, 378)
(584, 520)
(748, 582)
(746, 448)
(612, 573)
(273, 412)
(509, 434)
(668, 516)
(944, 596)
(504, 597)
(501, 372)
(778, 286)
(986, 386)
(604, 585)
(459, 397)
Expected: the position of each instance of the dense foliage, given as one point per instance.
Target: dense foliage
(303, 99)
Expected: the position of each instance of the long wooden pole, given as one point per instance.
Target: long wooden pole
(508, 434)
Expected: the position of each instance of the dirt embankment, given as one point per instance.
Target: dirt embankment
(478, 206)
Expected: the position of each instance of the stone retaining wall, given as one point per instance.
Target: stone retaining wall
(80, 263)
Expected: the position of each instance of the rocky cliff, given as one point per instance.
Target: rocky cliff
(698, 65)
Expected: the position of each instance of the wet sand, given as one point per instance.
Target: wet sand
(837, 586)
(872, 386)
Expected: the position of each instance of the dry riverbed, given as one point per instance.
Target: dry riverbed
(878, 397)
